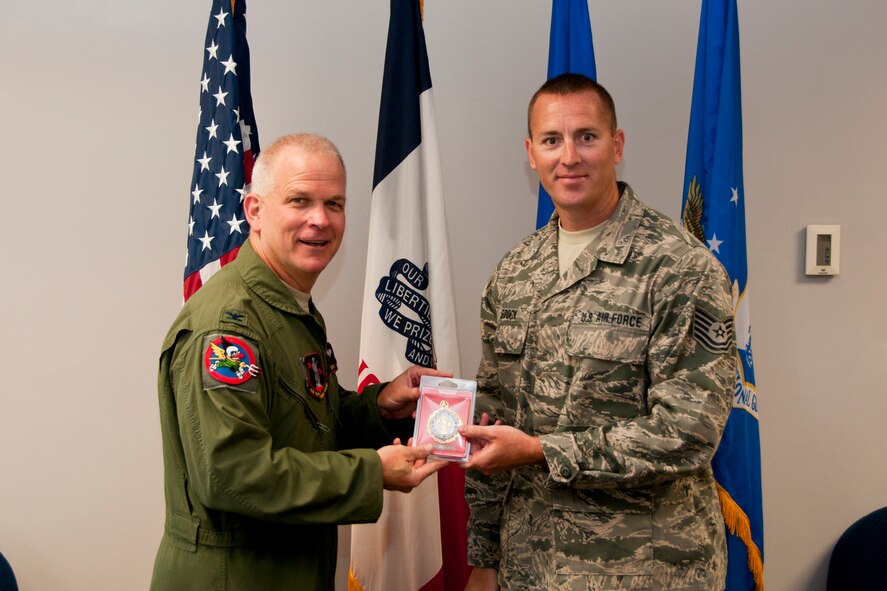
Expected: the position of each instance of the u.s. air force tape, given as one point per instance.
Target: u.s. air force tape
(714, 335)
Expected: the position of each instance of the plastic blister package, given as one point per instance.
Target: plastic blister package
(444, 405)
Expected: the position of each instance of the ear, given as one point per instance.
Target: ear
(618, 145)
(252, 209)
(528, 146)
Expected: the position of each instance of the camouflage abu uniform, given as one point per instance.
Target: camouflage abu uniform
(624, 369)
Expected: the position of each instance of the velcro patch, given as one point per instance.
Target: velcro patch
(714, 335)
(331, 358)
(509, 314)
(624, 320)
(315, 376)
(229, 361)
(233, 317)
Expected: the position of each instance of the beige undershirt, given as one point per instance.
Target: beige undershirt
(571, 244)
(302, 298)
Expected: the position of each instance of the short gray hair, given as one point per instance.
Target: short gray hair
(263, 181)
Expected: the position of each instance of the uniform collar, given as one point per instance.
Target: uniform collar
(616, 237)
(613, 247)
(265, 283)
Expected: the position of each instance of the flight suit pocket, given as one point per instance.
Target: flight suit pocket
(291, 428)
(590, 540)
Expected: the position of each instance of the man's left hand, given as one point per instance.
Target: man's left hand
(398, 399)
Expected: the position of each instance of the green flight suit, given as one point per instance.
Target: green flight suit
(258, 470)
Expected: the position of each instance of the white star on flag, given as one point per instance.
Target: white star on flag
(207, 240)
(204, 162)
(235, 224)
(212, 129)
(714, 243)
(230, 65)
(223, 177)
(196, 193)
(215, 207)
(232, 144)
(220, 97)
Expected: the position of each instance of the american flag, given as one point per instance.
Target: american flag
(226, 147)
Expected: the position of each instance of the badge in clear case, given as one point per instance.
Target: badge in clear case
(444, 405)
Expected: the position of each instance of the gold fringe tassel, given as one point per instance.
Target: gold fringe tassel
(422, 10)
(738, 524)
(353, 583)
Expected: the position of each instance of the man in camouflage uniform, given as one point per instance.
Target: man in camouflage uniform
(607, 344)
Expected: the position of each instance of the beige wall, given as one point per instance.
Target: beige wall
(99, 105)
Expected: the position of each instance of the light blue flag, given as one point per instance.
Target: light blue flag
(570, 50)
(714, 210)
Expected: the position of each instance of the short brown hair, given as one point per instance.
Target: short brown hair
(573, 84)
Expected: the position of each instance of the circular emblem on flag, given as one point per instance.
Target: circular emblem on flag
(443, 424)
(230, 360)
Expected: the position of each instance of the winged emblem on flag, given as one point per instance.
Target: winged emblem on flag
(693, 210)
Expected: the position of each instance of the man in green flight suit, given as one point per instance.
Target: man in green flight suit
(264, 454)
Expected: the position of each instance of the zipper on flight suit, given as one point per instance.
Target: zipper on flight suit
(308, 410)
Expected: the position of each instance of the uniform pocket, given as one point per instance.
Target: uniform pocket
(607, 343)
(609, 375)
(589, 539)
(510, 338)
(290, 429)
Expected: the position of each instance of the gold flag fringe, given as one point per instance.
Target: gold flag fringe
(353, 583)
(738, 524)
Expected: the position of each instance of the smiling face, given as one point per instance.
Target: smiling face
(574, 149)
(297, 225)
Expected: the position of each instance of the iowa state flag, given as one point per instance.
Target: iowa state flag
(570, 51)
(226, 147)
(409, 317)
(714, 210)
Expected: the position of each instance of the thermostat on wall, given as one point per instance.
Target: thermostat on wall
(823, 250)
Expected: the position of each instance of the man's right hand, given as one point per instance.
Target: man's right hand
(483, 579)
(404, 468)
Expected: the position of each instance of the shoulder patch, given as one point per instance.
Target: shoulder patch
(229, 361)
(714, 335)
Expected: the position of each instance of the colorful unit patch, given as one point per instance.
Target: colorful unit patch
(230, 360)
(315, 376)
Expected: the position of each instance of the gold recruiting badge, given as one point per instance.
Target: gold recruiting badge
(443, 424)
